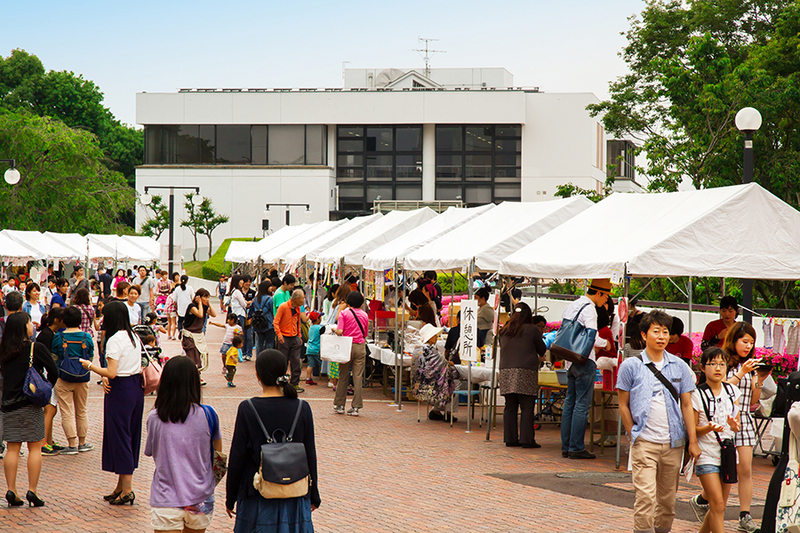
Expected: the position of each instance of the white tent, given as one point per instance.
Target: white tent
(73, 241)
(11, 249)
(45, 247)
(740, 231)
(384, 257)
(279, 237)
(116, 248)
(328, 239)
(241, 252)
(149, 245)
(492, 236)
(278, 253)
(353, 248)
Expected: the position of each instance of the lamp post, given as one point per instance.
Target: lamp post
(12, 174)
(748, 120)
(196, 200)
(287, 206)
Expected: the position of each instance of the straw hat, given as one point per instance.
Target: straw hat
(601, 285)
(429, 331)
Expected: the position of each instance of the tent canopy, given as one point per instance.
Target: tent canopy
(117, 248)
(279, 237)
(278, 253)
(147, 244)
(45, 247)
(492, 236)
(73, 241)
(354, 247)
(11, 249)
(241, 251)
(384, 257)
(739, 231)
(328, 239)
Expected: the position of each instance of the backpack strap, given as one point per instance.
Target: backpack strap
(260, 423)
(703, 387)
(296, 418)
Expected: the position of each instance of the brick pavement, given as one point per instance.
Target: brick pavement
(381, 472)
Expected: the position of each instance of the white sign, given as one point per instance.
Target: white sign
(379, 286)
(615, 276)
(469, 330)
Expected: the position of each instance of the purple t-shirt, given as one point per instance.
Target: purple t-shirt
(182, 452)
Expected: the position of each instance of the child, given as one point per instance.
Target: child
(151, 320)
(720, 400)
(232, 358)
(232, 328)
(312, 347)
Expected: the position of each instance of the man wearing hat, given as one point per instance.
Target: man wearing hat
(580, 385)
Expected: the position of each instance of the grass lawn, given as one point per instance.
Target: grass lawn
(194, 268)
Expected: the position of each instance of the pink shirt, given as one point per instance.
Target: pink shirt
(349, 326)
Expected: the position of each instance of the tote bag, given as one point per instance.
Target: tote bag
(787, 518)
(335, 349)
(574, 341)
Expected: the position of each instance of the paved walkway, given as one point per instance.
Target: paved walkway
(381, 472)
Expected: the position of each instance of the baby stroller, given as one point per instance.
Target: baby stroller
(153, 352)
(162, 318)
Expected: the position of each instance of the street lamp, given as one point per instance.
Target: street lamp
(307, 213)
(748, 120)
(12, 174)
(196, 200)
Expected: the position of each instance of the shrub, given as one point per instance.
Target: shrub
(212, 269)
(444, 282)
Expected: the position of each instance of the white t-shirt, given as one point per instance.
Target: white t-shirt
(135, 313)
(656, 429)
(182, 298)
(720, 407)
(127, 355)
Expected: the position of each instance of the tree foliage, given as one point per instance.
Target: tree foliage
(568, 190)
(158, 222)
(192, 222)
(209, 221)
(64, 186)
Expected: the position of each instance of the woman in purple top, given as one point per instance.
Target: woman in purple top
(179, 440)
(353, 322)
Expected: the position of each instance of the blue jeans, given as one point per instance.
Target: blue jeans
(249, 337)
(580, 389)
(265, 340)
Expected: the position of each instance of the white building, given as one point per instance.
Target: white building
(465, 134)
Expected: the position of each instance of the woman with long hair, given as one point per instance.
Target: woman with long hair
(179, 439)
(193, 340)
(265, 334)
(276, 409)
(34, 307)
(124, 400)
(83, 302)
(521, 345)
(120, 276)
(22, 420)
(183, 296)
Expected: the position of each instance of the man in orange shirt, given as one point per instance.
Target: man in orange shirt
(287, 332)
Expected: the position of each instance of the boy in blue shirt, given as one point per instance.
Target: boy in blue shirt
(655, 404)
(313, 345)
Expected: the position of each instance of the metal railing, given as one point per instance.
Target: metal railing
(440, 206)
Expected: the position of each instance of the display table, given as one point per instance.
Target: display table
(389, 360)
(549, 403)
(480, 374)
(601, 399)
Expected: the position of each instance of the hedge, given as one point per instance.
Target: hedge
(212, 269)
(444, 282)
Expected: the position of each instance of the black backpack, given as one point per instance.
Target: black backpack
(259, 322)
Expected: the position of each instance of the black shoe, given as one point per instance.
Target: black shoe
(34, 500)
(512, 444)
(564, 454)
(13, 500)
(113, 496)
(122, 500)
(582, 455)
(435, 415)
(447, 418)
(533, 444)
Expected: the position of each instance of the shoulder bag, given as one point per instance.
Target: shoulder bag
(219, 461)
(151, 374)
(727, 467)
(36, 388)
(283, 472)
(574, 341)
(364, 333)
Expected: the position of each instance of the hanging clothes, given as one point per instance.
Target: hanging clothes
(793, 339)
(778, 338)
(766, 327)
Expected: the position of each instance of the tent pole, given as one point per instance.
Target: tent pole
(398, 382)
(492, 396)
(396, 324)
(452, 297)
(536, 296)
(469, 363)
(621, 345)
(690, 306)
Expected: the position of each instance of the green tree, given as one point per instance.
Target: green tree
(158, 222)
(193, 221)
(209, 221)
(568, 190)
(64, 187)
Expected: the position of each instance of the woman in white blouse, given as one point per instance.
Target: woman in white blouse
(124, 400)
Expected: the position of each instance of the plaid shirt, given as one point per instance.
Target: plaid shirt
(87, 318)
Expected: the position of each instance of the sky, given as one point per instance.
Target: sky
(128, 47)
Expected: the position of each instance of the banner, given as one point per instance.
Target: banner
(469, 330)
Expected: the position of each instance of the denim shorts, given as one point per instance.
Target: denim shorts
(224, 349)
(702, 470)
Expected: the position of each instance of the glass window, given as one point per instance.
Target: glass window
(286, 145)
(169, 144)
(380, 167)
(350, 160)
(407, 192)
(349, 175)
(444, 192)
(477, 195)
(316, 145)
(508, 145)
(510, 193)
(478, 167)
(478, 138)
(380, 140)
(448, 167)
(207, 136)
(259, 136)
(233, 144)
(350, 131)
(152, 144)
(507, 131)
(351, 145)
(351, 191)
(188, 145)
(409, 168)
(384, 191)
(409, 139)
(448, 139)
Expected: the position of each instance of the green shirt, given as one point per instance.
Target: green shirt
(280, 297)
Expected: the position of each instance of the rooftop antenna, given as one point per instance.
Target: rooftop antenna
(428, 54)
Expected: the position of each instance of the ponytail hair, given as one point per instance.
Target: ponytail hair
(184, 279)
(271, 371)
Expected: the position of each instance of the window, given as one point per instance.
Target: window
(479, 163)
(190, 144)
(374, 161)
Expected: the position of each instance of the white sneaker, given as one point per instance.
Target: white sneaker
(699, 509)
(330, 385)
(353, 411)
(747, 524)
(338, 409)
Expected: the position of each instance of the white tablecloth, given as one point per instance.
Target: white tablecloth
(387, 356)
(479, 373)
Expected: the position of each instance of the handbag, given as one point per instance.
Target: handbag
(219, 461)
(151, 374)
(283, 472)
(574, 341)
(788, 510)
(364, 333)
(335, 349)
(727, 466)
(36, 388)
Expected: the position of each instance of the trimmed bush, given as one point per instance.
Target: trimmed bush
(444, 282)
(212, 269)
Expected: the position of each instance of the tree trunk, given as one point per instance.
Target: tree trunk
(209, 245)
(194, 253)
